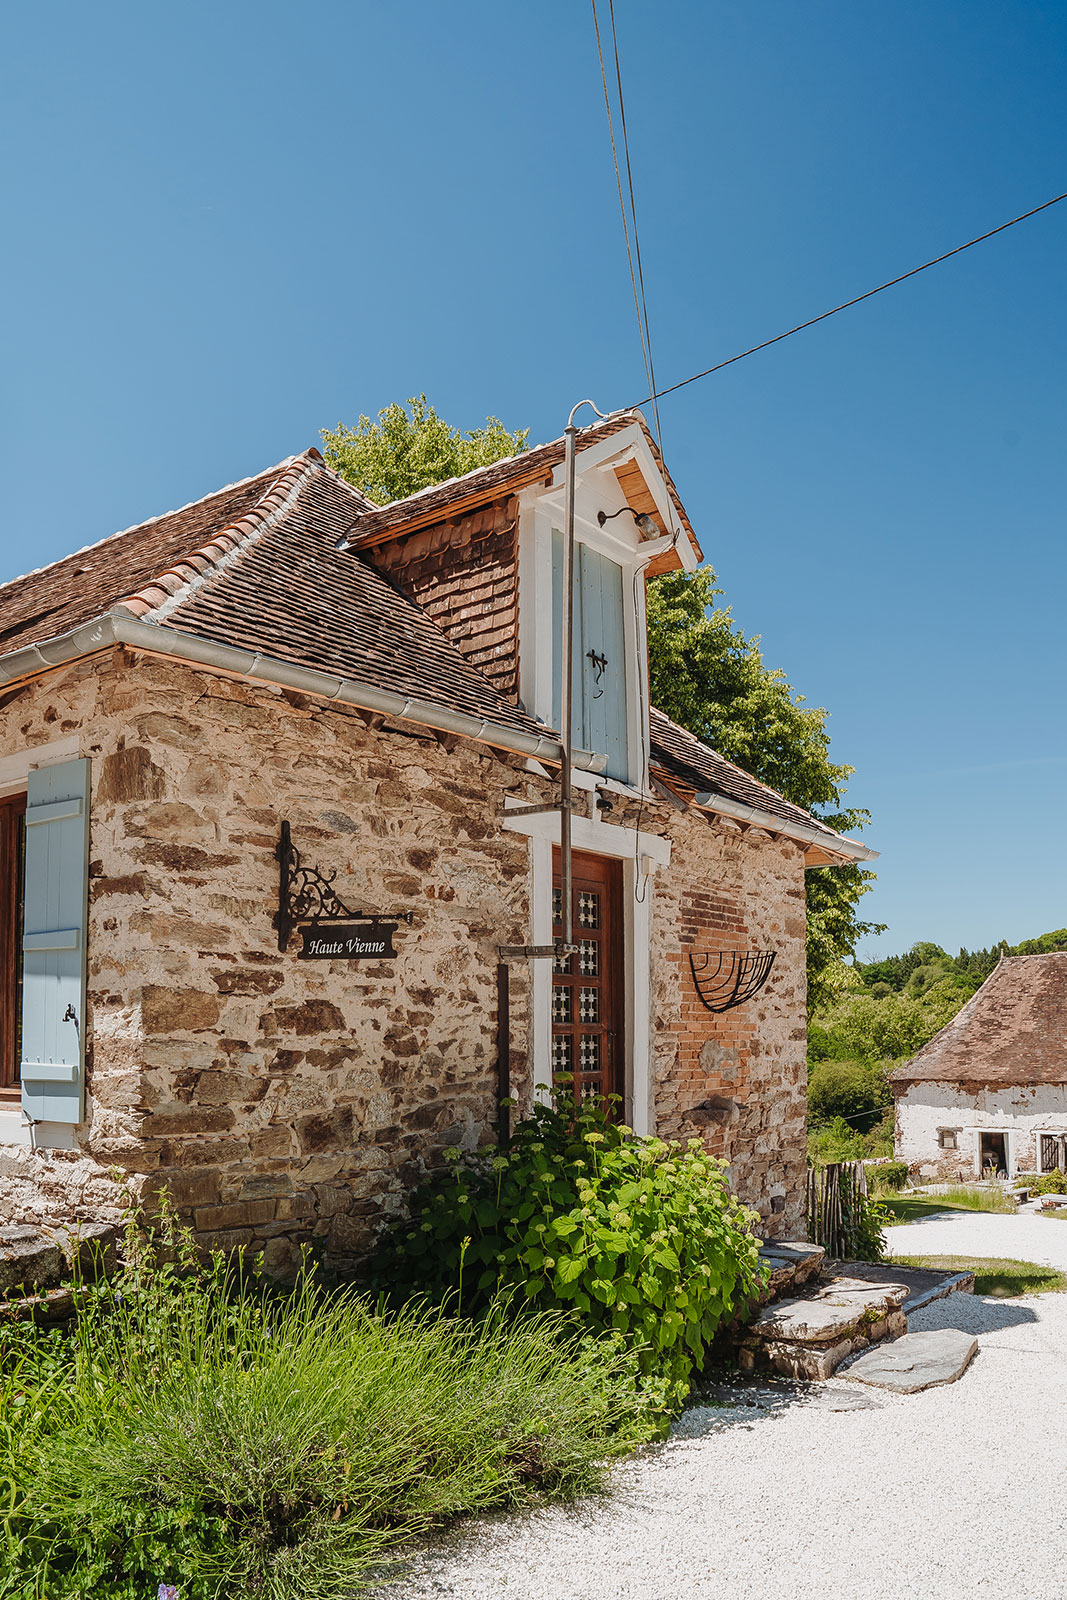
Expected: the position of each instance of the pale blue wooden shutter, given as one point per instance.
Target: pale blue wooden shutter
(600, 650)
(53, 942)
(599, 687)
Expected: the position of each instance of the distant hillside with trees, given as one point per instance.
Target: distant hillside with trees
(881, 1013)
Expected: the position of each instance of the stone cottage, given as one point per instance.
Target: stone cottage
(989, 1092)
(267, 888)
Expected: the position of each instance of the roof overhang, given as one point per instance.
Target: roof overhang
(837, 850)
(119, 627)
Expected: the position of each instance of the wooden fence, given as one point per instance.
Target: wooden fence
(835, 1196)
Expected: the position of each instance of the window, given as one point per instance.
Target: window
(947, 1138)
(599, 715)
(1053, 1152)
(12, 856)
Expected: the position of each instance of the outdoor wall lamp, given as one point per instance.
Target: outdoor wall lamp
(645, 525)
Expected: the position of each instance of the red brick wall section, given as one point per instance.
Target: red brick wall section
(712, 1057)
(465, 575)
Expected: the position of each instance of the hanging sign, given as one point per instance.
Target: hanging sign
(364, 941)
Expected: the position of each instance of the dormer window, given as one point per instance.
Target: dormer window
(622, 513)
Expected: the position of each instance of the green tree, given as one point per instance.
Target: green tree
(402, 452)
(853, 1090)
(707, 676)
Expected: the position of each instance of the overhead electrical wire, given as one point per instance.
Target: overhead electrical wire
(642, 321)
(846, 304)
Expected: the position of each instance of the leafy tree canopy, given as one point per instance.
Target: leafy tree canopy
(707, 676)
(406, 451)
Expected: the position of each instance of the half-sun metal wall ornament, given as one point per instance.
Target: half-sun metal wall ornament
(735, 977)
(330, 932)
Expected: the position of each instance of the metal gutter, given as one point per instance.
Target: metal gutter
(792, 830)
(120, 627)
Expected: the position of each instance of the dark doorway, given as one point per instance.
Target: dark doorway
(993, 1155)
(587, 990)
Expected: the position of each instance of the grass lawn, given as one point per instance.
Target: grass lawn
(1058, 1212)
(910, 1208)
(997, 1276)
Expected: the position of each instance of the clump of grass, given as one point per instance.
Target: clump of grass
(211, 1435)
(1000, 1277)
(967, 1197)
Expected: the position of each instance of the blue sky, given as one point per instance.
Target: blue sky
(231, 225)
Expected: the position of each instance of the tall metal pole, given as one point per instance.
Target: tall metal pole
(566, 709)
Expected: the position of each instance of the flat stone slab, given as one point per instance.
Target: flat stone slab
(833, 1311)
(918, 1361)
(924, 1283)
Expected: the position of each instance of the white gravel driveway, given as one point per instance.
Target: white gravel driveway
(949, 1495)
(1025, 1237)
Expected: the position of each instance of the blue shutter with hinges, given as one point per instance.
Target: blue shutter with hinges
(53, 942)
(599, 686)
(600, 655)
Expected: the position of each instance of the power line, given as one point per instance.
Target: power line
(847, 303)
(642, 326)
(633, 213)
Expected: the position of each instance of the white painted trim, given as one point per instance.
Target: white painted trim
(599, 837)
(14, 1129)
(621, 844)
(15, 768)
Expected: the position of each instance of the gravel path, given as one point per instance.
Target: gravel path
(949, 1495)
(1025, 1237)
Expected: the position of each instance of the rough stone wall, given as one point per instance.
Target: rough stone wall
(736, 1080)
(923, 1109)
(280, 1099)
(275, 1097)
(465, 575)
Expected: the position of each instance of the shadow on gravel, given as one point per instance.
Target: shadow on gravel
(972, 1313)
(732, 1400)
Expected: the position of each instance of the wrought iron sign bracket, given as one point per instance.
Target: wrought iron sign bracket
(735, 978)
(305, 895)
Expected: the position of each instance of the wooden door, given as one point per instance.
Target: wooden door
(12, 834)
(587, 988)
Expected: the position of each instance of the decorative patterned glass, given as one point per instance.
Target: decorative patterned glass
(589, 1052)
(561, 1003)
(588, 909)
(557, 905)
(561, 1052)
(588, 958)
(588, 1005)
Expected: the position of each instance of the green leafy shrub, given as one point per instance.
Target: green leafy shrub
(633, 1236)
(853, 1090)
(1045, 1183)
(888, 1175)
(836, 1141)
(203, 1432)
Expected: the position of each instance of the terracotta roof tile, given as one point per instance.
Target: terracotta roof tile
(487, 482)
(1013, 1031)
(289, 594)
(700, 768)
(57, 598)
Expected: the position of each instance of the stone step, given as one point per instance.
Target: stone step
(789, 1264)
(810, 1336)
(915, 1362)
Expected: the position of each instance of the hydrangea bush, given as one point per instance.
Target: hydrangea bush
(638, 1237)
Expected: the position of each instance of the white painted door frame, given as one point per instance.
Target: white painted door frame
(625, 845)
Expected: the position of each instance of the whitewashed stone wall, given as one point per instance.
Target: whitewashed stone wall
(923, 1109)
